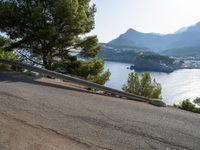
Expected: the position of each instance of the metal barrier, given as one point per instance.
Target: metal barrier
(84, 83)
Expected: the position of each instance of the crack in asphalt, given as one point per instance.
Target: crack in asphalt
(3, 93)
(89, 145)
(131, 127)
(102, 123)
(78, 141)
(130, 131)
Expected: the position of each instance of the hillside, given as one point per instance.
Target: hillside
(141, 58)
(185, 37)
(183, 52)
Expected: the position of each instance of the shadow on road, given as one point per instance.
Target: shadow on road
(10, 76)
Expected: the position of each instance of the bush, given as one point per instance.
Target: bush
(143, 86)
(8, 56)
(101, 78)
(197, 101)
(188, 106)
(92, 70)
(2, 41)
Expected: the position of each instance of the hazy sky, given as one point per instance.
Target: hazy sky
(114, 17)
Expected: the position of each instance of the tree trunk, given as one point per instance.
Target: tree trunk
(46, 62)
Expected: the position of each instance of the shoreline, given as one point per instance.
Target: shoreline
(153, 70)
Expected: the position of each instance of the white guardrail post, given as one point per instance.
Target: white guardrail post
(84, 83)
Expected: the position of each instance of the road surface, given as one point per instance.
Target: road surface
(41, 114)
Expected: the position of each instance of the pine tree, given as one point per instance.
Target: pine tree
(143, 86)
(197, 101)
(52, 30)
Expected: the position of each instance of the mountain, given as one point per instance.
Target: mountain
(183, 52)
(140, 58)
(152, 52)
(186, 38)
(181, 30)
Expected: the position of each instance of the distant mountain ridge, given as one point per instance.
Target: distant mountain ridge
(152, 52)
(186, 37)
(141, 58)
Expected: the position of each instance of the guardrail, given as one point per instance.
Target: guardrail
(84, 83)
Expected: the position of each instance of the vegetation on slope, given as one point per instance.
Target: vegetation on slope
(140, 58)
(8, 56)
(143, 85)
(189, 105)
(183, 52)
(54, 33)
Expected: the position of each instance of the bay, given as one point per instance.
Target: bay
(176, 86)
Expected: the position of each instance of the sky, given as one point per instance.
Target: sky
(115, 17)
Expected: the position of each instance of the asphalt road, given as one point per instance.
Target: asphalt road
(40, 114)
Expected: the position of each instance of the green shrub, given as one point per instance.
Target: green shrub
(8, 56)
(188, 106)
(101, 78)
(197, 101)
(91, 70)
(143, 85)
(2, 41)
